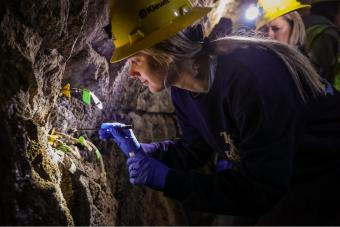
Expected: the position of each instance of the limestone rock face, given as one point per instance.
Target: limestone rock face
(44, 45)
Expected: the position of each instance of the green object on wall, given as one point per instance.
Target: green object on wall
(86, 96)
(82, 140)
(98, 154)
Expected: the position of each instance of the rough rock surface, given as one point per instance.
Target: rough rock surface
(44, 45)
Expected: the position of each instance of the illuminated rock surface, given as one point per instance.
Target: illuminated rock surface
(44, 45)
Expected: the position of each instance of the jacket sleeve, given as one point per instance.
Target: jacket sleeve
(187, 152)
(262, 106)
(324, 54)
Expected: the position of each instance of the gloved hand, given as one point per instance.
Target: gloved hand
(124, 137)
(222, 165)
(145, 170)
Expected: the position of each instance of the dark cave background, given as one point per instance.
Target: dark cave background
(44, 45)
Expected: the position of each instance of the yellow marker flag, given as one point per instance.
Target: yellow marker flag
(66, 91)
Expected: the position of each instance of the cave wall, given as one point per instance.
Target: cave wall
(45, 45)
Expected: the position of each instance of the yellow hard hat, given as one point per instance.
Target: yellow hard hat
(273, 9)
(137, 25)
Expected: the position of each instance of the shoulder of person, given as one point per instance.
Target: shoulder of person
(254, 67)
(255, 60)
(318, 25)
(311, 20)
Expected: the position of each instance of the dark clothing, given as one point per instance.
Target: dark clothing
(322, 45)
(254, 116)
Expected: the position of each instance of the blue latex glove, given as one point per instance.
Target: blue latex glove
(124, 137)
(145, 170)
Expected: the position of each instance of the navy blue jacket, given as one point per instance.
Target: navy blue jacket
(254, 116)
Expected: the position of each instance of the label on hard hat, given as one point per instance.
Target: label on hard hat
(143, 13)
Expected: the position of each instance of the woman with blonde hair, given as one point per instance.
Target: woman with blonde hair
(281, 22)
(257, 103)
